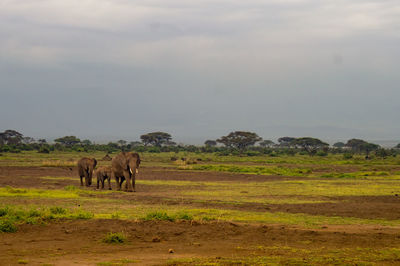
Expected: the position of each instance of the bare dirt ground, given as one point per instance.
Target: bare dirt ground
(78, 242)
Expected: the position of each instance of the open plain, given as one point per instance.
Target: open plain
(204, 210)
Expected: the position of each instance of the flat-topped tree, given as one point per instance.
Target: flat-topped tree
(359, 145)
(156, 139)
(68, 140)
(210, 143)
(286, 141)
(266, 143)
(239, 139)
(339, 145)
(11, 137)
(311, 145)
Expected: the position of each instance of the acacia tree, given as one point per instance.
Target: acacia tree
(339, 145)
(359, 145)
(311, 145)
(286, 141)
(68, 140)
(11, 137)
(267, 143)
(157, 139)
(210, 143)
(239, 139)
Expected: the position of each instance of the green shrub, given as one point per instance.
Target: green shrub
(44, 150)
(84, 215)
(322, 153)
(34, 213)
(4, 211)
(347, 156)
(58, 210)
(114, 238)
(252, 153)
(160, 216)
(7, 226)
(184, 216)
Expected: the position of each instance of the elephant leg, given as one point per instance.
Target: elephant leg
(114, 176)
(98, 181)
(122, 181)
(102, 183)
(86, 178)
(109, 183)
(128, 185)
(134, 181)
(81, 181)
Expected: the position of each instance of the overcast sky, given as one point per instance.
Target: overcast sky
(111, 69)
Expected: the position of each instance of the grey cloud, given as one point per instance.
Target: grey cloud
(200, 69)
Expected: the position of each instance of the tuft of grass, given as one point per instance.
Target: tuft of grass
(70, 188)
(22, 261)
(7, 226)
(58, 210)
(83, 215)
(114, 238)
(160, 216)
(184, 216)
(11, 216)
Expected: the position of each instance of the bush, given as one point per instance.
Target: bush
(184, 216)
(347, 156)
(252, 153)
(114, 238)
(58, 210)
(7, 226)
(160, 216)
(322, 153)
(84, 215)
(44, 150)
(4, 211)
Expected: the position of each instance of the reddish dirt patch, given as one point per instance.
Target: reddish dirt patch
(71, 242)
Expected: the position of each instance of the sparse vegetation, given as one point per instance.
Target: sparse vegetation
(115, 238)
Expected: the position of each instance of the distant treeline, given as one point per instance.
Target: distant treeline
(235, 143)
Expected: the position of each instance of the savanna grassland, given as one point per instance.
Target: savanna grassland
(204, 210)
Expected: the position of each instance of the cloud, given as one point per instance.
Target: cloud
(203, 65)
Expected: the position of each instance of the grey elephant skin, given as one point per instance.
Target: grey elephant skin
(85, 169)
(103, 173)
(125, 166)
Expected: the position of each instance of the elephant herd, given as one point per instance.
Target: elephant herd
(124, 166)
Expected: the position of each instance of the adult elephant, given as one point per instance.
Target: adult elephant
(125, 166)
(85, 169)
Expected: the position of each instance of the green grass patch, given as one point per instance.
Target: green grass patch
(258, 170)
(284, 255)
(159, 216)
(13, 216)
(115, 238)
(68, 193)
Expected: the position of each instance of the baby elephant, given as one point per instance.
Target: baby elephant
(102, 174)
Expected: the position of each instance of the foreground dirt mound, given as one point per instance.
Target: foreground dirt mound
(71, 242)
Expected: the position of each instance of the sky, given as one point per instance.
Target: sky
(117, 69)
